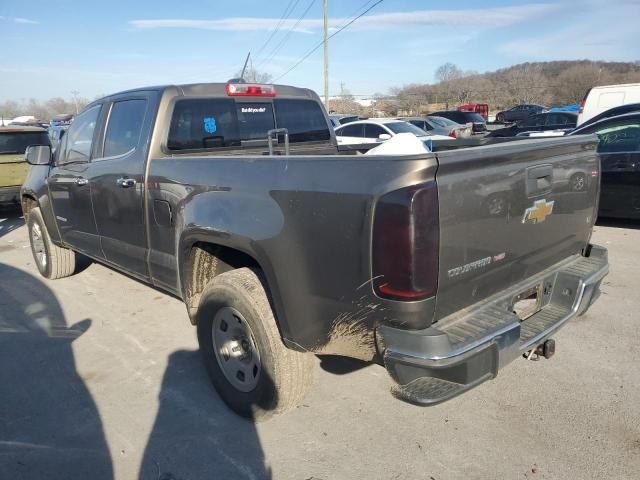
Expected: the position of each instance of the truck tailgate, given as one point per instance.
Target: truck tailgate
(13, 170)
(510, 211)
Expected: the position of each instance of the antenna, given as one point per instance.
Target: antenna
(245, 66)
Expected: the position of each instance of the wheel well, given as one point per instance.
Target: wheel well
(28, 203)
(205, 261)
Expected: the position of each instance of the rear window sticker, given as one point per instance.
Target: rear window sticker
(210, 125)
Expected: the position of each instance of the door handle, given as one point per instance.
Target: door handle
(81, 181)
(126, 182)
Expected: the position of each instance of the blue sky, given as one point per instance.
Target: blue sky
(50, 48)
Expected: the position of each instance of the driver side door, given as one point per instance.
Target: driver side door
(69, 187)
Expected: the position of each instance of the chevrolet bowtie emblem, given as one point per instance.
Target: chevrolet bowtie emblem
(538, 213)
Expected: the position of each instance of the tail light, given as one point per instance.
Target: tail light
(453, 134)
(406, 239)
(581, 107)
(250, 90)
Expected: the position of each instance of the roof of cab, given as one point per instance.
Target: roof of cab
(213, 90)
(20, 128)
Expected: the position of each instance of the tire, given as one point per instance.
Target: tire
(53, 262)
(500, 118)
(250, 340)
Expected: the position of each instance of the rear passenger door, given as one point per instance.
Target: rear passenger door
(350, 134)
(117, 182)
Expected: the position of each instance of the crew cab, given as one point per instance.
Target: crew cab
(237, 199)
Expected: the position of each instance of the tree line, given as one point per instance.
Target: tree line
(546, 83)
(42, 110)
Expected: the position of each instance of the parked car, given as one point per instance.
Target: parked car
(339, 119)
(237, 199)
(619, 150)
(613, 112)
(14, 141)
(600, 99)
(376, 130)
(519, 112)
(478, 124)
(539, 123)
(480, 108)
(440, 126)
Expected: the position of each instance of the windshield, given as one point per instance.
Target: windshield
(442, 122)
(405, 127)
(17, 142)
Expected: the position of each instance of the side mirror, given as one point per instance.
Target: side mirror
(384, 136)
(38, 155)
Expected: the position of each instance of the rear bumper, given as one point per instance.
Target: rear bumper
(10, 194)
(435, 364)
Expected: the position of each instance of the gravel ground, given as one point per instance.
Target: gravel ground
(100, 378)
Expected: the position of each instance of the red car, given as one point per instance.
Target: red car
(481, 108)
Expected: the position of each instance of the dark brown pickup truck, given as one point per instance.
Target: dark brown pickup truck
(442, 266)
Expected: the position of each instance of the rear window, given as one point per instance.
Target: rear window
(17, 142)
(202, 124)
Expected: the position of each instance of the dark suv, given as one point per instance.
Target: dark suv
(519, 112)
(479, 124)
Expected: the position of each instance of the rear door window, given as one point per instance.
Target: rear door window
(202, 124)
(620, 138)
(351, 131)
(373, 131)
(125, 125)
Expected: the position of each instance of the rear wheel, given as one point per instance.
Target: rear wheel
(500, 118)
(52, 261)
(252, 370)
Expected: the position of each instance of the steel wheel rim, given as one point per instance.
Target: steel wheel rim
(578, 183)
(37, 245)
(496, 206)
(235, 349)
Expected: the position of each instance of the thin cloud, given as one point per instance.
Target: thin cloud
(487, 17)
(21, 20)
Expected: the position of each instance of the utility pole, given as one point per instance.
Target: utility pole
(75, 94)
(326, 53)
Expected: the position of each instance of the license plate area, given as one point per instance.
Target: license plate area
(528, 302)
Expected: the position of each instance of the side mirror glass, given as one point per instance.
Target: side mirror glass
(384, 136)
(38, 155)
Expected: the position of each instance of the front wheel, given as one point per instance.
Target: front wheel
(252, 370)
(52, 261)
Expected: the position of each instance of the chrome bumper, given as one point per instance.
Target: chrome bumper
(433, 365)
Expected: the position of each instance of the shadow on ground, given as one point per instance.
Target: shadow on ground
(50, 426)
(195, 435)
(618, 223)
(49, 423)
(10, 219)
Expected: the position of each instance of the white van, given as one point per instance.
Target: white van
(600, 99)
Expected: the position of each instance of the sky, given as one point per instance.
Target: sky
(51, 48)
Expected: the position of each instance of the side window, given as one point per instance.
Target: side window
(80, 136)
(557, 119)
(351, 131)
(619, 138)
(373, 131)
(125, 125)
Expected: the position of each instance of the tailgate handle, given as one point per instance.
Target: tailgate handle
(539, 180)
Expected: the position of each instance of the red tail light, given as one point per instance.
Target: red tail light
(250, 90)
(406, 238)
(581, 107)
(453, 134)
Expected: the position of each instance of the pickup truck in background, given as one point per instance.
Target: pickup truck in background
(14, 140)
(442, 266)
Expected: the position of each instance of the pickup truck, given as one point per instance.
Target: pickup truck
(442, 266)
(14, 140)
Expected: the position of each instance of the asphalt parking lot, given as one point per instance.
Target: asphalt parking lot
(100, 378)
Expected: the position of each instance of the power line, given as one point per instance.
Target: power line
(310, 52)
(286, 37)
(285, 16)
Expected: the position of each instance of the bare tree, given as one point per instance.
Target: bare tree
(573, 83)
(254, 76)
